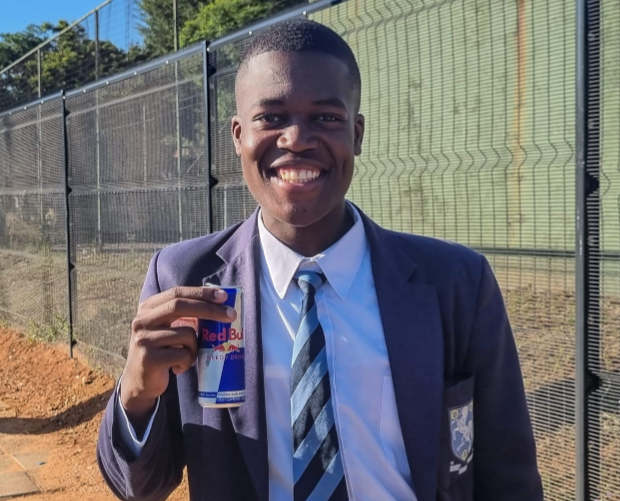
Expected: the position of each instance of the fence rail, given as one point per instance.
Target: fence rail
(494, 124)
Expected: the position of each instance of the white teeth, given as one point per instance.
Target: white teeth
(298, 175)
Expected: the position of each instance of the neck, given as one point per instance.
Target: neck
(315, 238)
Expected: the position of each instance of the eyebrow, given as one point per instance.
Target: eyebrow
(331, 101)
(269, 102)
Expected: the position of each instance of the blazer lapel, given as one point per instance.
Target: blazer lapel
(241, 258)
(413, 334)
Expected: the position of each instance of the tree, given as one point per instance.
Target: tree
(66, 62)
(157, 26)
(157, 22)
(69, 60)
(220, 17)
(20, 82)
(223, 16)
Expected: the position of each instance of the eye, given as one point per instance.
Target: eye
(326, 117)
(270, 118)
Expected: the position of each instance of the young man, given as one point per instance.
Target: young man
(403, 356)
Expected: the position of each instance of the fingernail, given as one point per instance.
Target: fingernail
(220, 294)
(230, 312)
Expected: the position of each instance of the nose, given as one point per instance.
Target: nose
(297, 137)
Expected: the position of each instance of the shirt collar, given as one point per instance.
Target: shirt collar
(340, 263)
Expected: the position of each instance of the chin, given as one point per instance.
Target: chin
(300, 220)
(299, 217)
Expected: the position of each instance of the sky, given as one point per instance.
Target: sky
(15, 15)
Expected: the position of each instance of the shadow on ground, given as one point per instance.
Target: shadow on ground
(73, 416)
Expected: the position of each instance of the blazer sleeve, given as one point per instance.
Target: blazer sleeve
(158, 470)
(504, 449)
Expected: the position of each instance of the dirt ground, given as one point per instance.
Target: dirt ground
(54, 404)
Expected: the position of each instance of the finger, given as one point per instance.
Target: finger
(209, 294)
(177, 359)
(175, 309)
(178, 337)
(185, 363)
(186, 322)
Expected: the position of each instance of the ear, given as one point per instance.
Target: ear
(359, 127)
(235, 129)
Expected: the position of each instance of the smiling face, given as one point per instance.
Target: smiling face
(297, 132)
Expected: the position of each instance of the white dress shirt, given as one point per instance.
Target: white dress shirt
(369, 432)
(366, 417)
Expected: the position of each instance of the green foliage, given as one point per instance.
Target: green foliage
(20, 83)
(66, 62)
(199, 20)
(69, 60)
(218, 18)
(157, 22)
(14, 45)
(223, 16)
(56, 330)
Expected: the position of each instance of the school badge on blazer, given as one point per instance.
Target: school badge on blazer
(462, 430)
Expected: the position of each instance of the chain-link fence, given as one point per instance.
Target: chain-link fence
(470, 112)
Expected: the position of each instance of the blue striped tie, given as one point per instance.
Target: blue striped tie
(317, 461)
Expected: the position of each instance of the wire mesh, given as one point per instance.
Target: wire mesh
(134, 190)
(469, 115)
(33, 263)
(117, 35)
(470, 138)
(604, 215)
(232, 201)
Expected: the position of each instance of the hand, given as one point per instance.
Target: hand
(163, 337)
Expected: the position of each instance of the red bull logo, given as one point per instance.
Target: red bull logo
(225, 334)
(226, 348)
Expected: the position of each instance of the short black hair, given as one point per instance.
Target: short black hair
(303, 35)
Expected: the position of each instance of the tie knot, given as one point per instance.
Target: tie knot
(308, 280)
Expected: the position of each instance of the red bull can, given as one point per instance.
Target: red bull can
(221, 356)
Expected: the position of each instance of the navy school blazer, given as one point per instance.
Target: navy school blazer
(457, 381)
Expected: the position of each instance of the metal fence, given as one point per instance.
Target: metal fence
(117, 35)
(129, 191)
(101, 43)
(471, 110)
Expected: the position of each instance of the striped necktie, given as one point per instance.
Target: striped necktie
(317, 461)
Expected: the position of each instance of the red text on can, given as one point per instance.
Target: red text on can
(230, 334)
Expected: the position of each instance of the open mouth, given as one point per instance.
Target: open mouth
(298, 176)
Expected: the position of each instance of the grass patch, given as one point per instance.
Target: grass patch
(54, 332)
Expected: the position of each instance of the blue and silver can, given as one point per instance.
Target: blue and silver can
(221, 356)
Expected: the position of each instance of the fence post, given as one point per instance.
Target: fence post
(97, 47)
(40, 138)
(39, 84)
(179, 149)
(587, 276)
(206, 75)
(67, 192)
(175, 20)
(99, 236)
